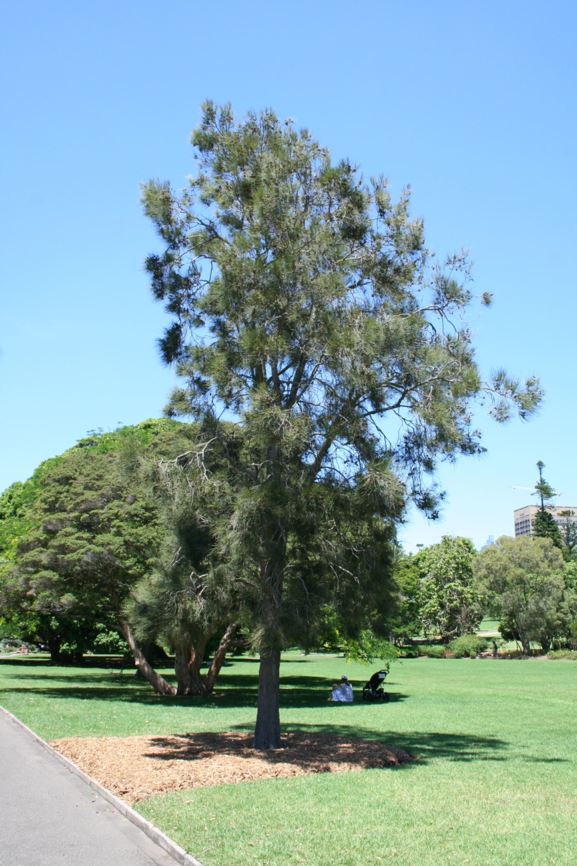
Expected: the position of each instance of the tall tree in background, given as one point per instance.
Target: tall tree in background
(568, 530)
(524, 582)
(306, 305)
(449, 600)
(544, 524)
(405, 621)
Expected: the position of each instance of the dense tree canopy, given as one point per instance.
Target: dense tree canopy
(83, 531)
(545, 526)
(449, 601)
(405, 621)
(305, 304)
(525, 587)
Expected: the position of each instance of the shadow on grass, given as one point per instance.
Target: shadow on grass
(235, 697)
(424, 745)
(233, 689)
(121, 662)
(308, 744)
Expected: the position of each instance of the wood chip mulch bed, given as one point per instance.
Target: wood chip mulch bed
(137, 767)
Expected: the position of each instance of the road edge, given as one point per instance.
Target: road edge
(157, 836)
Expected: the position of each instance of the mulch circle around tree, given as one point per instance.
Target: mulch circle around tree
(134, 768)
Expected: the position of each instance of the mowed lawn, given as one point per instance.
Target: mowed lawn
(495, 783)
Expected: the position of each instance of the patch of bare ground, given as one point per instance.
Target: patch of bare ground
(137, 767)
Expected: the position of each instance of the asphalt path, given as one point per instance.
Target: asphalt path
(49, 816)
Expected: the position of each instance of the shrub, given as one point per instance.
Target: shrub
(367, 647)
(432, 651)
(468, 646)
(109, 641)
(563, 654)
(10, 645)
(408, 652)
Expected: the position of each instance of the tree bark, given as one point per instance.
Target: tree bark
(267, 730)
(188, 658)
(158, 683)
(54, 649)
(273, 562)
(545, 644)
(219, 657)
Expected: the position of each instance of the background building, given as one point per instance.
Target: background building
(524, 517)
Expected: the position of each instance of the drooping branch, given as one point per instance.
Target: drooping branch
(158, 683)
(219, 657)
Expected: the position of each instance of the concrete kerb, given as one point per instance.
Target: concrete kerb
(157, 836)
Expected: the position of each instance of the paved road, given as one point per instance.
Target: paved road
(51, 817)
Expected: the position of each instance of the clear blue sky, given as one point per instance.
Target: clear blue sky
(472, 104)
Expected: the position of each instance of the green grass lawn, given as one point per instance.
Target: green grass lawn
(489, 627)
(496, 782)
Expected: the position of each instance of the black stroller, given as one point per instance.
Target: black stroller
(373, 689)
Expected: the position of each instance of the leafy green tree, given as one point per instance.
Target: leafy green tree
(90, 533)
(568, 634)
(305, 304)
(405, 620)
(450, 604)
(568, 529)
(18, 521)
(523, 579)
(186, 600)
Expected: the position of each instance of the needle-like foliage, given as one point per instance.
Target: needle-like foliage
(305, 304)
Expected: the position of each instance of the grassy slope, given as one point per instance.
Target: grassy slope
(495, 784)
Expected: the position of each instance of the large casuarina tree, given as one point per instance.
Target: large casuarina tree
(306, 306)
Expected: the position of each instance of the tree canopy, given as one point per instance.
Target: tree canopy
(544, 524)
(523, 579)
(306, 306)
(449, 600)
(83, 531)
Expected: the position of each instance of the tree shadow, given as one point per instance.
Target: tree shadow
(423, 745)
(364, 748)
(310, 750)
(233, 690)
(118, 679)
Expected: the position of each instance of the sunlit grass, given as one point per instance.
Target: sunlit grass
(496, 781)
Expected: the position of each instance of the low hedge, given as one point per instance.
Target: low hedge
(468, 646)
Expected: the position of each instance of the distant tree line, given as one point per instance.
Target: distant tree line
(115, 545)
(528, 584)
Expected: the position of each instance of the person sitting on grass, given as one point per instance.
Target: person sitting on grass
(346, 690)
(341, 693)
(336, 695)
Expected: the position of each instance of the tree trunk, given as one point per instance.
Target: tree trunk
(274, 544)
(188, 658)
(219, 657)
(267, 730)
(158, 683)
(54, 649)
